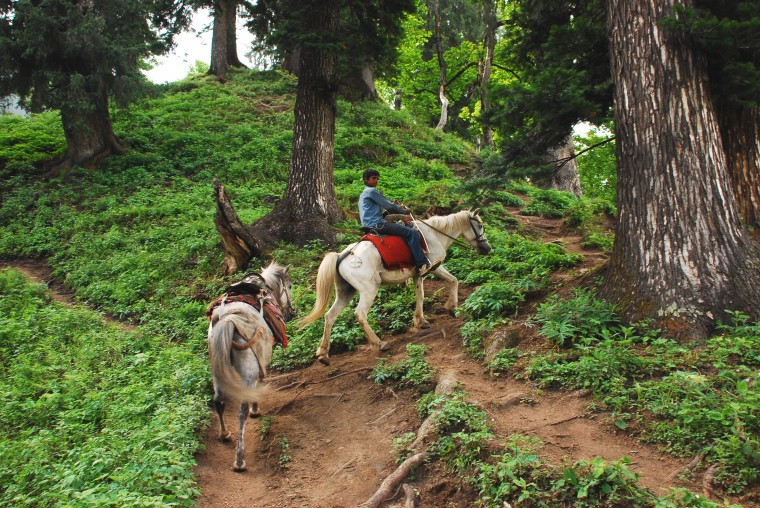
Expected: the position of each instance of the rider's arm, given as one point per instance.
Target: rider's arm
(386, 203)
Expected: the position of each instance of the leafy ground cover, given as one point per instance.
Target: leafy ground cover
(95, 414)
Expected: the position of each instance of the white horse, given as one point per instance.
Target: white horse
(360, 268)
(240, 339)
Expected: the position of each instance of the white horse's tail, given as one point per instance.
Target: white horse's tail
(219, 352)
(326, 277)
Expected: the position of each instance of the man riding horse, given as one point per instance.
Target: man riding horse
(371, 205)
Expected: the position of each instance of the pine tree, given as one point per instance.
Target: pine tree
(73, 56)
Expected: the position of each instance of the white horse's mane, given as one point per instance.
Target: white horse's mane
(450, 223)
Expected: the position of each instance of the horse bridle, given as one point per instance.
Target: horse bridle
(480, 238)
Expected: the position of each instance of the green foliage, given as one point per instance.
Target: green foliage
(503, 361)
(597, 167)
(412, 372)
(550, 203)
(494, 299)
(92, 414)
(697, 400)
(567, 322)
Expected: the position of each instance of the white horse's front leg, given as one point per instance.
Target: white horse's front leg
(453, 300)
(419, 312)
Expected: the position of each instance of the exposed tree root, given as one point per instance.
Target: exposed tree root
(707, 481)
(445, 385)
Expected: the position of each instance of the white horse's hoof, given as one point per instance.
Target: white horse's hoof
(324, 359)
(239, 469)
(225, 438)
(254, 414)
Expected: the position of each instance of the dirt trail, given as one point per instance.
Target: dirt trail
(339, 426)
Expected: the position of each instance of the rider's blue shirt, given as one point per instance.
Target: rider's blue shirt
(371, 205)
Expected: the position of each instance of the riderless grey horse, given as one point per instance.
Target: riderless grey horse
(360, 268)
(240, 339)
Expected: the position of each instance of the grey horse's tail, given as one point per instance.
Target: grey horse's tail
(326, 278)
(219, 352)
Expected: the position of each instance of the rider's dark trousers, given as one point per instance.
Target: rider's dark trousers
(410, 235)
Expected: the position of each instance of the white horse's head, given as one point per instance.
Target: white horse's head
(475, 235)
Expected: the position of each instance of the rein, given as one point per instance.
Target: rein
(479, 238)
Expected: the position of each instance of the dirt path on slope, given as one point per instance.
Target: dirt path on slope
(340, 426)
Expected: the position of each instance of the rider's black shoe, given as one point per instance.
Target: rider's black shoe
(426, 267)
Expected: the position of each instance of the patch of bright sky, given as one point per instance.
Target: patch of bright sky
(192, 45)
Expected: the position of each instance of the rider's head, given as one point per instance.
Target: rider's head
(370, 177)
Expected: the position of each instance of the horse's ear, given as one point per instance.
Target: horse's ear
(476, 211)
(287, 268)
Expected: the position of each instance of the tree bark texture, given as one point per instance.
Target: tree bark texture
(219, 61)
(89, 133)
(740, 129)
(309, 208)
(441, 67)
(681, 255)
(230, 19)
(359, 84)
(489, 44)
(565, 176)
(238, 243)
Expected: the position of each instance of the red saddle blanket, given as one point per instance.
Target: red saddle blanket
(393, 250)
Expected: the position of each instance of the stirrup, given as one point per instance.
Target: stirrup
(426, 268)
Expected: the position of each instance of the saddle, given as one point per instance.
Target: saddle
(394, 251)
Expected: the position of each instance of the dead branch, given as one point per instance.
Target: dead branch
(393, 410)
(238, 243)
(333, 404)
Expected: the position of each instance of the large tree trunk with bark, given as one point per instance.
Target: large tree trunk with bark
(219, 40)
(359, 84)
(489, 44)
(681, 255)
(89, 133)
(309, 208)
(441, 67)
(230, 19)
(740, 128)
(565, 176)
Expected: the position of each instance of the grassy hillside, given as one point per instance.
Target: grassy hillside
(94, 414)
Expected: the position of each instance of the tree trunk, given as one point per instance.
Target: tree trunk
(230, 19)
(442, 68)
(309, 208)
(565, 176)
(681, 255)
(219, 62)
(740, 129)
(489, 10)
(238, 244)
(359, 84)
(89, 133)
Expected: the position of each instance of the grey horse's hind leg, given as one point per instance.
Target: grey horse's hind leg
(240, 452)
(219, 403)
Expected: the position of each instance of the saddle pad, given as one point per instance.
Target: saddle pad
(272, 314)
(393, 250)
